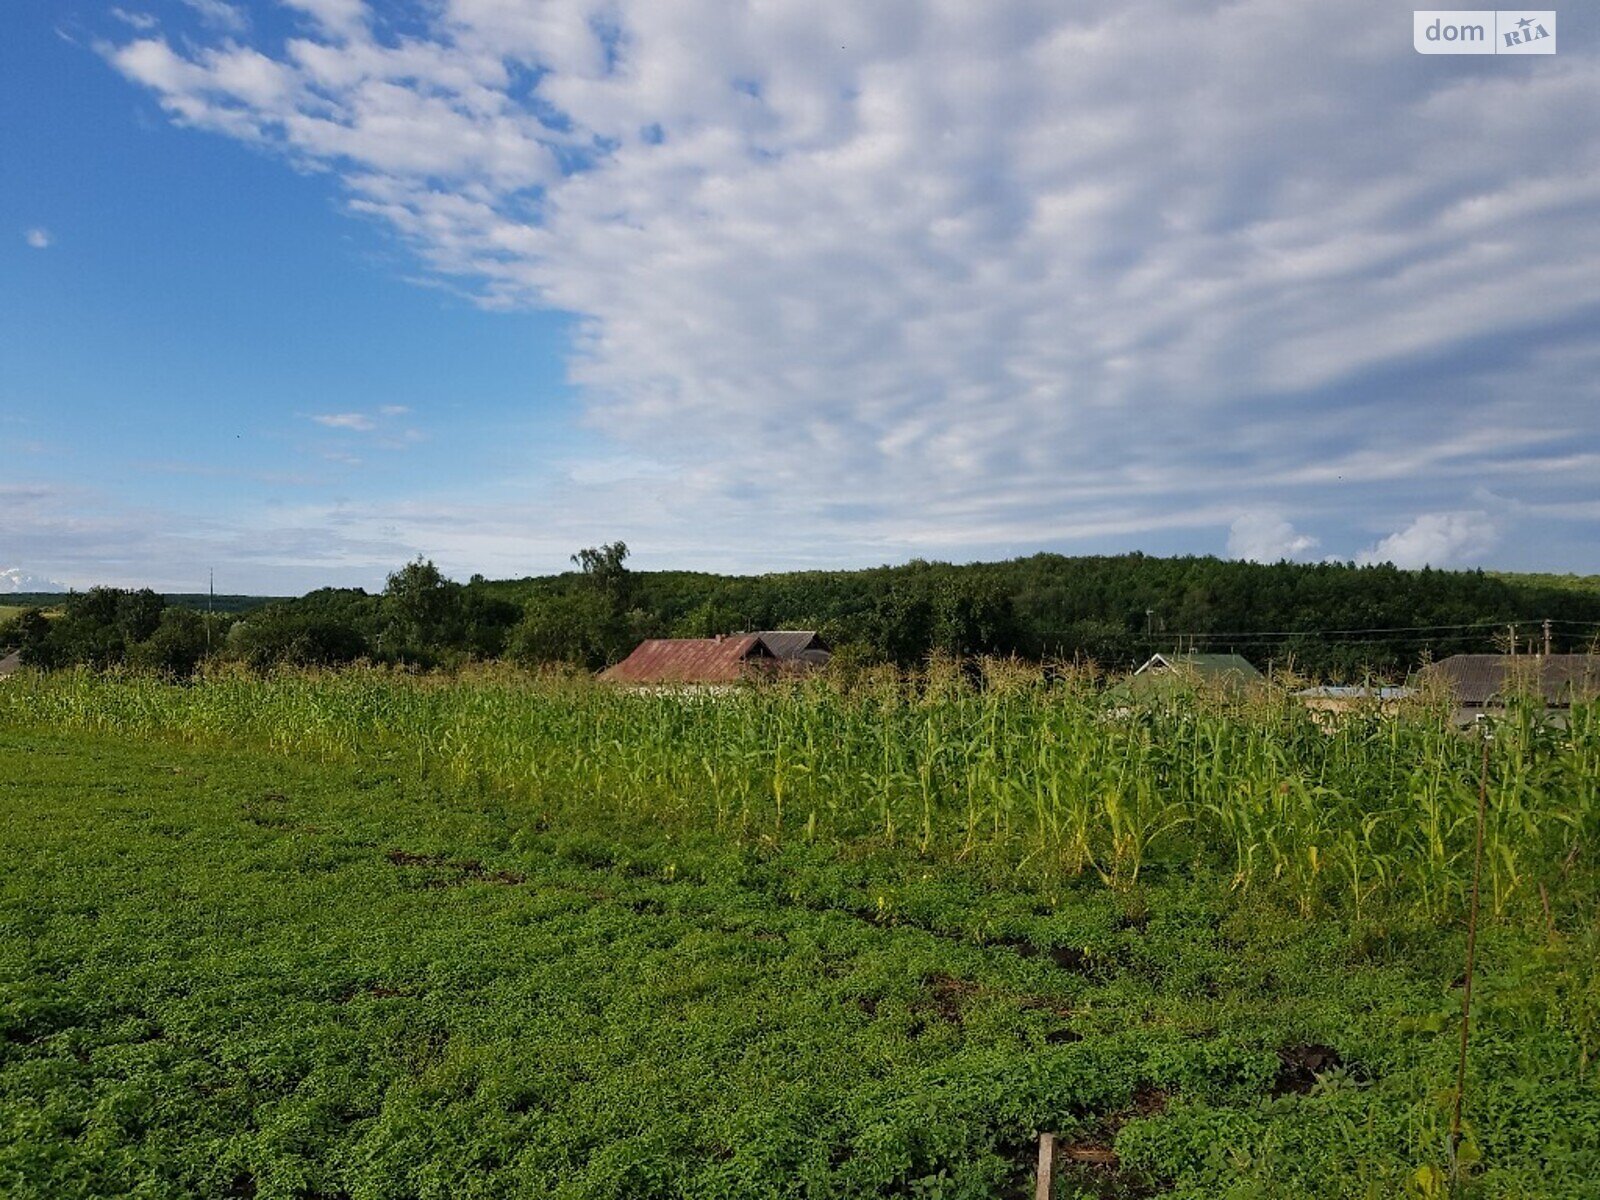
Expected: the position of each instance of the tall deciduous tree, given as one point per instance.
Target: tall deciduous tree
(605, 567)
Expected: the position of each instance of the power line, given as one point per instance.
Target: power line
(1261, 636)
(1274, 633)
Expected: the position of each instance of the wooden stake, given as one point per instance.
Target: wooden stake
(1047, 1166)
(1466, 989)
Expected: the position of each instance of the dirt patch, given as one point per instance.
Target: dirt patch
(1068, 958)
(1103, 1181)
(381, 991)
(405, 858)
(1050, 1004)
(948, 994)
(1299, 1066)
(466, 870)
(1088, 1164)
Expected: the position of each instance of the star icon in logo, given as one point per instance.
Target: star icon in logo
(1524, 23)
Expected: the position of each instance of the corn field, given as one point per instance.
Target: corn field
(1044, 773)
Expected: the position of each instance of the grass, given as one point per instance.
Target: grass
(298, 939)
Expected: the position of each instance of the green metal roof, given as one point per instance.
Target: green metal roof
(1166, 674)
(1207, 666)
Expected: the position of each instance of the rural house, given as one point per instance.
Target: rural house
(1229, 671)
(1483, 682)
(1343, 698)
(719, 660)
(11, 664)
(797, 645)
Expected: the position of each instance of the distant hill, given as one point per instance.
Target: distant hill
(199, 601)
(194, 600)
(1335, 621)
(1573, 583)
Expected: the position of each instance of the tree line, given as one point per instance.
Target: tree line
(1329, 620)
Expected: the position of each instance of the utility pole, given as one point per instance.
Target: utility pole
(211, 601)
(1513, 630)
(1547, 637)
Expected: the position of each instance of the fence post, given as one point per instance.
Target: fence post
(1047, 1164)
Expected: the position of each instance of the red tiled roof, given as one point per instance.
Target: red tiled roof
(691, 660)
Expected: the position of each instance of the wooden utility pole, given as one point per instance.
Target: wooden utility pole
(1547, 637)
(1512, 629)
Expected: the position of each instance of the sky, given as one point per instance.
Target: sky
(297, 291)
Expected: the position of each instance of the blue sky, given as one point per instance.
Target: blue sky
(297, 291)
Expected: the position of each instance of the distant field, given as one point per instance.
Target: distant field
(629, 952)
(33, 599)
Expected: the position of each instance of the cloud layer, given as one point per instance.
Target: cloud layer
(15, 579)
(954, 278)
(1265, 537)
(1437, 539)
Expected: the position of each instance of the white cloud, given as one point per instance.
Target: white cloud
(15, 579)
(219, 15)
(142, 21)
(358, 422)
(389, 434)
(1442, 539)
(937, 276)
(1265, 537)
(39, 238)
(336, 17)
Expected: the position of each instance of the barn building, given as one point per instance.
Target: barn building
(1228, 671)
(720, 661)
(1483, 682)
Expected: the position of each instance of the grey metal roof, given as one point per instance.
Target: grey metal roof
(795, 644)
(11, 663)
(1354, 692)
(1478, 679)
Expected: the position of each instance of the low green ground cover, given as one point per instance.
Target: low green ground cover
(227, 972)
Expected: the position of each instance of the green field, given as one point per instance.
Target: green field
(363, 936)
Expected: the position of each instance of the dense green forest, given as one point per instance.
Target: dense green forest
(1329, 620)
(220, 602)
